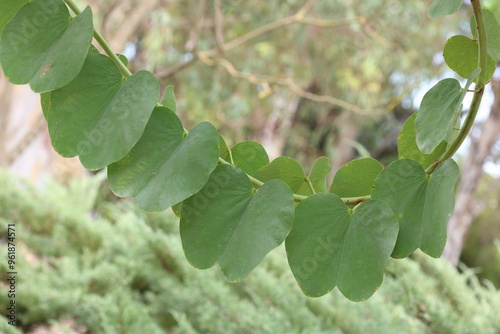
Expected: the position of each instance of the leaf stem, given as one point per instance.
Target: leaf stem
(299, 198)
(478, 91)
(310, 185)
(102, 42)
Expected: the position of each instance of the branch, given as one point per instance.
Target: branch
(299, 198)
(131, 22)
(192, 43)
(298, 17)
(219, 26)
(258, 79)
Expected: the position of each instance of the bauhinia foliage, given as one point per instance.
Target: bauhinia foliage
(234, 204)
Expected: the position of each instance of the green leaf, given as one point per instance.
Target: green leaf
(331, 245)
(434, 122)
(227, 222)
(93, 49)
(9, 8)
(177, 208)
(422, 203)
(168, 99)
(44, 46)
(98, 116)
(438, 119)
(45, 102)
(441, 8)
(287, 170)
(223, 149)
(249, 156)
(165, 167)
(123, 59)
(461, 55)
(318, 174)
(492, 31)
(356, 178)
(407, 145)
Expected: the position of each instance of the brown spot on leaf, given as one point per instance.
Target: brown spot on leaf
(45, 69)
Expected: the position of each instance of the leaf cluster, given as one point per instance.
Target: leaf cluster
(235, 206)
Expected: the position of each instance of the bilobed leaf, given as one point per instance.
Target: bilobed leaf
(165, 167)
(492, 31)
(9, 8)
(226, 222)
(287, 170)
(434, 122)
(331, 245)
(44, 46)
(356, 178)
(441, 8)
(318, 174)
(249, 156)
(423, 204)
(407, 145)
(168, 99)
(98, 116)
(461, 55)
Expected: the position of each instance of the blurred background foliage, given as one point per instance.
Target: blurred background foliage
(367, 56)
(304, 78)
(89, 263)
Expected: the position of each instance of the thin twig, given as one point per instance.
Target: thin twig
(298, 17)
(192, 43)
(219, 26)
(258, 79)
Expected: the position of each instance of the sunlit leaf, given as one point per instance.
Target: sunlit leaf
(226, 222)
(461, 55)
(331, 245)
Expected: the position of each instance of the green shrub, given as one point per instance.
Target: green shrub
(85, 256)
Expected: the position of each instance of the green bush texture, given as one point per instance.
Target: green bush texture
(84, 255)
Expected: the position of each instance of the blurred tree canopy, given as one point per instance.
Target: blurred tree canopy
(303, 78)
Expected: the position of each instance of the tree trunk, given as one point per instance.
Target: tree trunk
(466, 208)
